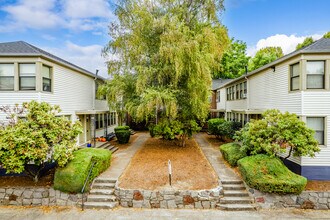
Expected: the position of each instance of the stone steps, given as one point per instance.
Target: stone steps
(102, 195)
(108, 146)
(236, 198)
(237, 207)
(100, 205)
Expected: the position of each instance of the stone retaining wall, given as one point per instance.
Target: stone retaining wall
(169, 199)
(38, 196)
(306, 200)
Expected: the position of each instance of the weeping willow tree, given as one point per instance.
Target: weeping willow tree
(170, 48)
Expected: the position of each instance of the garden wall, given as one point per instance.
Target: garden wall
(169, 199)
(38, 196)
(306, 200)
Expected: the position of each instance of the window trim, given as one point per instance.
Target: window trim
(46, 78)
(324, 72)
(292, 77)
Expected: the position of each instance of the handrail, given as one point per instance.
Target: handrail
(83, 189)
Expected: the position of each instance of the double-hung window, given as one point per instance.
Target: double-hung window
(245, 89)
(315, 74)
(46, 79)
(317, 124)
(27, 76)
(218, 96)
(6, 77)
(294, 77)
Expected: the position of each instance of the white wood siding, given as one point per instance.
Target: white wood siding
(270, 90)
(223, 99)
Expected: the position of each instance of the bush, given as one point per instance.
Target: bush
(122, 128)
(168, 129)
(275, 133)
(123, 136)
(269, 174)
(232, 153)
(72, 177)
(222, 128)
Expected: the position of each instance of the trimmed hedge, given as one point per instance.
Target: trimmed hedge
(232, 153)
(269, 174)
(123, 136)
(121, 128)
(72, 177)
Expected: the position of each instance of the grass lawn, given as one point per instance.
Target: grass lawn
(148, 168)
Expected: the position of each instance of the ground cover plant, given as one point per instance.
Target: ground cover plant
(71, 178)
(34, 136)
(232, 153)
(269, 174)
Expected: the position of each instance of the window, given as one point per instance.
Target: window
(245, 89)
(6, 76)
(317, 124)
(101, 120)
(105, 120)
(27, 76)
(46, 79)
(315, 74)
(97, 122)
(218, 96)
(294, 77)
(109, 119)
(241, 90)
(233, 93)
(237, 91)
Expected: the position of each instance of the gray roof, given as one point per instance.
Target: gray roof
(319, 46)
(217, 83)
(21, 48)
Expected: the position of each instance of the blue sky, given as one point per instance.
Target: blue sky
(76, 30)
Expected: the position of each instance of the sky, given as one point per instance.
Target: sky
(77, 30)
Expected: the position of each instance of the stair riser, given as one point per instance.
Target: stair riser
(238, 182)
(101, 200)
(102, 192)
(104, 181)
(103, 187)
(233, 187)
(236, 194)
(114, 150)
(98, 206)
(236, 202)
(237, 209)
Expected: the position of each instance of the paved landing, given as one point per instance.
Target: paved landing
(123, 157)
(215, 158)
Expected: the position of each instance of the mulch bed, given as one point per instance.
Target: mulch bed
(312, 185)
(25, 181)
(148, 168)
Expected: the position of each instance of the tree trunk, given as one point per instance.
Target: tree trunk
(289, 154)
(33, 171)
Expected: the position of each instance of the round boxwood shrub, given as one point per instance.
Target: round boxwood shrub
(232, 153)
(122, 128)
(123, 136)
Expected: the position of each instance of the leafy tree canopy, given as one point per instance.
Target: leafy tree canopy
(326, 35)
(276, 133)
(38, 138)
(234, 61)
(170, 49)
(305, 43)
(264, 56)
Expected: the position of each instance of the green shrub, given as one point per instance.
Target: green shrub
(222, 128)
(122, 128)
(72, 177)
(123, 136)
(168, 129)
(232, 153)
(269, 174)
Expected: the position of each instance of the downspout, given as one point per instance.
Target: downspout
(94, 97)
(247, 93)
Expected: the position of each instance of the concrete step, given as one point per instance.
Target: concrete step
(236, 200)
(233, 187)
(237, 207)
(100, 205)
(113, 150)
(101, 198)
(103, 145)
(235, 193)
(225, 182)
(109, 147)
(103, 185)
(102, 191)
(104, 180)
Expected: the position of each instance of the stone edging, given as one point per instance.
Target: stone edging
(305, 200)
(38, 196)
(169, 199)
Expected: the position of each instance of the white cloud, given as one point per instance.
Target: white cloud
(85, 15)
(87, 57)
(86, 8)
(287, 43)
